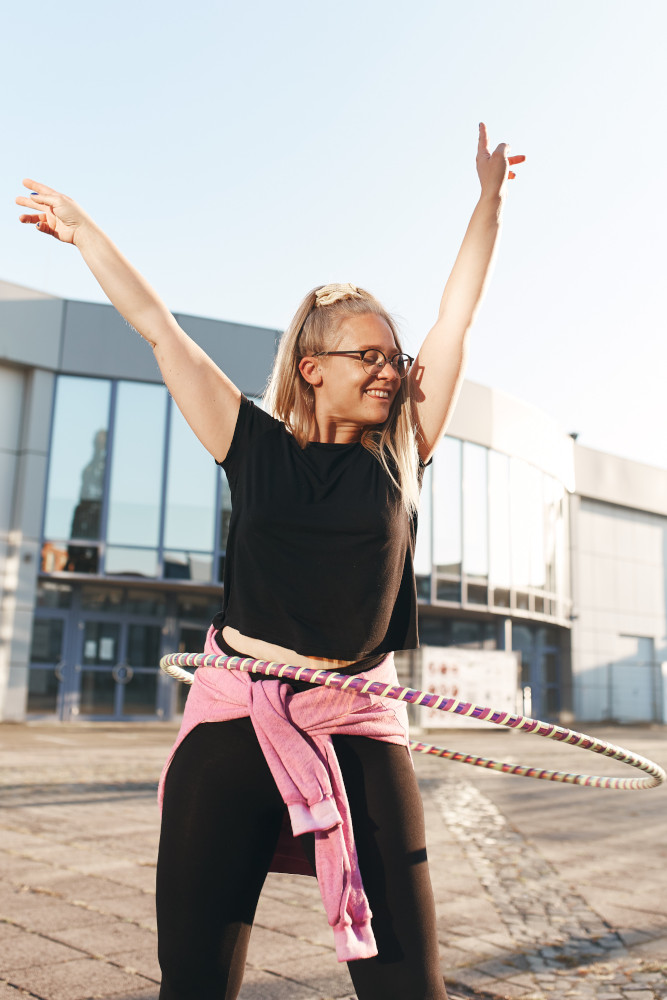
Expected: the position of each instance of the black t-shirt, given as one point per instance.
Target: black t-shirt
(320, 549)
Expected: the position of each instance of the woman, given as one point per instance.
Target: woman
(318, 574)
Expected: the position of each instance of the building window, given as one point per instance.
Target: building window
(447, 507)
(77, 470)
(475, 513)
(135, 489)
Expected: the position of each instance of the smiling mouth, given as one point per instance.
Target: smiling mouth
(378, 393)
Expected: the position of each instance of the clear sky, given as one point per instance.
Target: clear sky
(240, 153)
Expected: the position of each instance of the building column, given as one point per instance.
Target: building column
(26, 419)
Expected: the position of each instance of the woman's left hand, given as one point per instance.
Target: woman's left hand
(493, 168)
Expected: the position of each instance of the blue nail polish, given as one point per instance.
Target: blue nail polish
(35, 192)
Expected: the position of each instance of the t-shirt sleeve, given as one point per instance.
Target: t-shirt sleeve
(251, 422)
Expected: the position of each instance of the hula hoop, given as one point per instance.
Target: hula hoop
(173, 663)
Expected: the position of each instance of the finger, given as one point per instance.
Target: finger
(516, 159)
(36, 186)
(29, 218)
(37, 200)
(483, 142)
(502, 148)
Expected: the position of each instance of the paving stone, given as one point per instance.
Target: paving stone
(108, 937)
(269, 946)
(324, 973)
(20, 949)
(8, 992)
(143, 961)
(36, 912)
(75, 980)
(262, 985)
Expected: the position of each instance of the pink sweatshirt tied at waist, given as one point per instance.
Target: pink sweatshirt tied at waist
(294, 730)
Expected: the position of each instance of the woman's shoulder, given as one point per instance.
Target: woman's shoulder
(252, 424)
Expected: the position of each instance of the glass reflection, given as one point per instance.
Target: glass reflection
(47, 640)
(100, 644)
(188, 566)
(225, 511)
(423, 546)
(42, 691)
(143, 645)
(104, 599)
(475, 522)
(189, 515)
(537, 525)
(98, 693)
(447, 506)
(499, 525)
(130, 562)
(140, 693)
(78, 458)
(520, 520)
(54, 595)
(136, 466)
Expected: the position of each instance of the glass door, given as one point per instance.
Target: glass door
(116, 670)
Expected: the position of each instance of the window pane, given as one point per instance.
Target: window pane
(143, 602)
(136, 465)
(98, 690)
(475, 523)
(143, 645)
(130, 562)
(54, 595)
(191, 482)
(78, 458)
(499, 520)
(140, 694)
(42, 691)
(47, 640)
(520, 517)
(105, 599)
(448, 590)
(538, 576)
(423, 546)
(198, 607)
(100, 643)
(225, 511)
(188, 566)
(447, 506)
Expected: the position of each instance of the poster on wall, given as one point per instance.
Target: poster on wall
(481, 676)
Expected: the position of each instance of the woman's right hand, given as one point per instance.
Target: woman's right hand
(59, 216)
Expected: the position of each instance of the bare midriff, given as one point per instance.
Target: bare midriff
(277, 654)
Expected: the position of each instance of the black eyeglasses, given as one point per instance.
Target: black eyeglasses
(373, 361)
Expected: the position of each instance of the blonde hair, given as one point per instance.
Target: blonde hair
(316, 327)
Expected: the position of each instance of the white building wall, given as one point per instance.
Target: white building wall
(619, 636)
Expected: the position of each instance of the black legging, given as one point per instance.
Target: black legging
(221, 819)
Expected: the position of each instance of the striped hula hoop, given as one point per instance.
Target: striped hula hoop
(174, 663)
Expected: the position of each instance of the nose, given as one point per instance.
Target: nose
(388, 372)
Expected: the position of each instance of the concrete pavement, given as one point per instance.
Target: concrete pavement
(543, 891)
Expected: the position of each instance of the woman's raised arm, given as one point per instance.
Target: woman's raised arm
(208, 400)
(437, 374)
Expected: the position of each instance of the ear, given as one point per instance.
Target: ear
(311, 371)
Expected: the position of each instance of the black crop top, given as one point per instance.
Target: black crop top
(320, 548)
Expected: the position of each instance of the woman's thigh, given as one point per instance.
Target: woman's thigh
(388, 820)
(220, 823)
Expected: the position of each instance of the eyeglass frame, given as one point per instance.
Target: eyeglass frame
(360, 352)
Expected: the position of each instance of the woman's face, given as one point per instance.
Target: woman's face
(347, 393)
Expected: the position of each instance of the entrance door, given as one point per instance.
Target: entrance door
(540, 669)
(634, 681)
(116, 670)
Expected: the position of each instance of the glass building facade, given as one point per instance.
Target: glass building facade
(135, 525)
